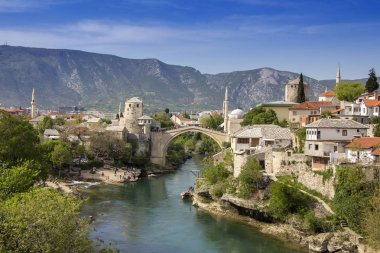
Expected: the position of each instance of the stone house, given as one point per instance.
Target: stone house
(326, 139)
(309, 111)
(51, 134)
(328, 95)
(119, 132)
(364, 150)
(252, 138)
(180, 121)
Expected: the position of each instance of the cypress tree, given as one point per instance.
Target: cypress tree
(372, 84)
(301, 91)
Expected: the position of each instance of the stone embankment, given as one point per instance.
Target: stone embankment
(254, 213)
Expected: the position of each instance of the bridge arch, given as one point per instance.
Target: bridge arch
(161, 140)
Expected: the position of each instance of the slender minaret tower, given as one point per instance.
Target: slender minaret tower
(225, 110)
(337, 80)
(119, 110)
(33, 103)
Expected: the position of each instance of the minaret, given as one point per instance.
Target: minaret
(33, 103)
(119, 110)
(337, 80)
(225, 110)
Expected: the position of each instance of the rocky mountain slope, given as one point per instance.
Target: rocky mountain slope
(69, 77)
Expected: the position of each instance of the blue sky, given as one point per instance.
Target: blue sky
(213, 36)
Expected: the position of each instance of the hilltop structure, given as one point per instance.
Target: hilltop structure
(291, 90)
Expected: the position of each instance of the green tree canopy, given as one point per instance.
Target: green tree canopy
(19, 178)
(18, 140)
(349, 91)
(212, 121)
(371, 221)
(249, 177)
(352, 194)
(301, 91)
(46, 123)
(260, 115)
(61, 155)
(163, 118)
(372, 84)
(286, 200)
(43, 220)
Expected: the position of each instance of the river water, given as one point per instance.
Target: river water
(149, 216)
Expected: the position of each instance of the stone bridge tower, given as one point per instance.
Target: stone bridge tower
(133, 110)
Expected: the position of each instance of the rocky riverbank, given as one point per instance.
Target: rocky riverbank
(242, 210)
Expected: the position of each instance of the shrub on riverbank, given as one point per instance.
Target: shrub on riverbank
(286, 200)
(353, 192)
(249, 178)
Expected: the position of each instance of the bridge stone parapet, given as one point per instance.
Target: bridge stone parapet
(160, 141)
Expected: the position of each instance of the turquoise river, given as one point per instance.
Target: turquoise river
(149, 216)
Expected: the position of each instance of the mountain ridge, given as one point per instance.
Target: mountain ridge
(64, 77)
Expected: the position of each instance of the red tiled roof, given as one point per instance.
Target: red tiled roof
(371, 102)
(336, 110)
(182, 118)
(364, 142)
(311, 105)
(328, 93)
(376, 152)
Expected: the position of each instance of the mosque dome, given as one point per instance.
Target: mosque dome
(237, 113)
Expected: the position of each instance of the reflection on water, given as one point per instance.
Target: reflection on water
(149, 216)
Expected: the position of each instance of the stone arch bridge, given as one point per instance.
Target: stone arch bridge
(160, 141)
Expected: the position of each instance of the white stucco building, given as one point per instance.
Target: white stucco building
(327, 137)
(364, 150)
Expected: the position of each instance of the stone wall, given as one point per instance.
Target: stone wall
(315, 182)
(287, 163)
(280, 162)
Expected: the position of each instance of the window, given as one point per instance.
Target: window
(294, 113)
(137, 105)
(358, 130)
(242, 140)
(316, 147)
(344, 132)
(129, 105)
(310, 146)
(318, 134)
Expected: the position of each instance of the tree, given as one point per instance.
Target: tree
(376, 130)
(249, 178)
(371, 222)
(167, 111)
(59, 121)
(372, 84)
(352, 194)
(186, 115)
(301, 91)
(46, 123)
(212, 121)
(61, 155)
(349, 91)
(43, 220)
(19, 178)
(18, 140)
(259, 115)
(328, 114)
(286, 200)
(163, 118)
